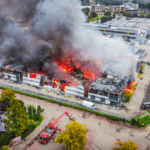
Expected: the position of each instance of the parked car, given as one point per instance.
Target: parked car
(145, 105)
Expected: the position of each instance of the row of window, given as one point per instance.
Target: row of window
(111, 96)
(117, 32)
(103, 100)
(103, 93)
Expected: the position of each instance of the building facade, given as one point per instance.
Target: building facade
(131, 5)
(133, 34)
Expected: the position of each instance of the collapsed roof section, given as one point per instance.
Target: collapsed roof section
(110, 83)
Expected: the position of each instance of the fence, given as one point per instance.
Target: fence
(59, 100)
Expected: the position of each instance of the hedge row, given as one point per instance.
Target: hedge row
(70, 105)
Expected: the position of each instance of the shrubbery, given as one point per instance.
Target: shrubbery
(142, 120)
(6, 138)
(127, 96)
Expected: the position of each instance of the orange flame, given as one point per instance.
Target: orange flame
(130, 88)
(32, 75)
(54, 83)
(6, 67)
(63, 87)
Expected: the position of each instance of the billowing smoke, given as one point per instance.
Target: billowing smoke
(59, 41)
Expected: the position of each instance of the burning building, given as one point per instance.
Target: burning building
(59, 51)
(109, 89)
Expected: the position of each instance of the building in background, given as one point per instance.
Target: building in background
(130, 6)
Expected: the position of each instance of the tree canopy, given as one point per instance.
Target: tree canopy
(126, 145)
(106, 18)
(7, 95)
(74, 137)
(16, 120)
(93, 14)
(107, 13)
(86, 10)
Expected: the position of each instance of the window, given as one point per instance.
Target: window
(111, 96)
(93, 91)
(115, 97)
(103, 100)
(92, 97)
(105, 94)
(100, 92)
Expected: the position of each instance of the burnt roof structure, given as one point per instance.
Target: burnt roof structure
(110, 83)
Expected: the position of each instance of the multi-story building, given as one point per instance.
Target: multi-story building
(133, 33)
(108, 89)
(98, 8)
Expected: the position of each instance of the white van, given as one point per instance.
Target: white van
(89, 104)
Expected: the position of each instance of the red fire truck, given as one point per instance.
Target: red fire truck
(51, 130)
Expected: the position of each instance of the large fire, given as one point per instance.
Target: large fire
(129, 88)
(33, 75)
(6, 67)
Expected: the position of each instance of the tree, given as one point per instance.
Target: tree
(74, 137)
(148, 16)
(39, 110)
(129, 15)
(126, 145)
(17, 120)
(135, 15)
(107, 13)
(94, 14)
(106, 18)
(86, 10)
(90, 17)
(7, 95)
(4, 147)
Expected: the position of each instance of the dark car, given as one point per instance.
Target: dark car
(145, 105)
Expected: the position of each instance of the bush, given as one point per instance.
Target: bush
(139, 75)
(140, 121)
(4, 147)
(127, 96)
(142, 66)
